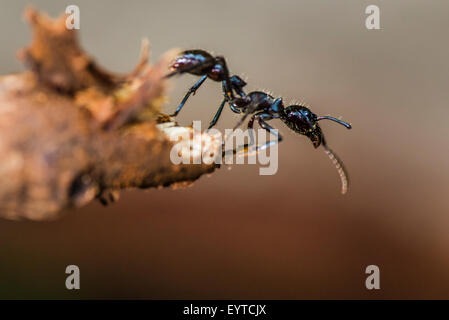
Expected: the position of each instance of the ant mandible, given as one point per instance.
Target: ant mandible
(201, 63)
(263, 107)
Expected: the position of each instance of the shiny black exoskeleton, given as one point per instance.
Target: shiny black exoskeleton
(202, 63)
(263, 107)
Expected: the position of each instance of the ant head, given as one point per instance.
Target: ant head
(305, 122)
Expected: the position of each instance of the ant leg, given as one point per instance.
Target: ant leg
(237, 90)
(220, 109)
(224, 73)
(217, 115)
(261, 118)
(243, 150)
(263, 124)
(249, 109)
(242, 119)
(234, 109)
(191, 90)
(251, 130)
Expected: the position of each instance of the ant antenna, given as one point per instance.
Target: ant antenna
(347, 125)
(339, 166)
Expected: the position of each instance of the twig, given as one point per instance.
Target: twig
(71, 132)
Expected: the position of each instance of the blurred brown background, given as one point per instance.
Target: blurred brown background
(236, 234)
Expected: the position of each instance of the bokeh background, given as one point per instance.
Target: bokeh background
(236, 234)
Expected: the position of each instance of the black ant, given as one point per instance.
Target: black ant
(264, 107)
(201, 63)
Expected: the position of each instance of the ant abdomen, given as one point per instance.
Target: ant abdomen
(196, 62)
(201, 63)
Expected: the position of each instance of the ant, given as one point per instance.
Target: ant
(201, 63)
(264, 107)
(261, 105)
